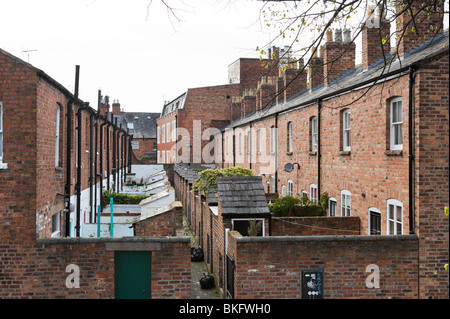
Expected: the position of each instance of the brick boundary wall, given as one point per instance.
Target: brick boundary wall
(314, 226)
(39, 271)
(164, 224)
(271, 267)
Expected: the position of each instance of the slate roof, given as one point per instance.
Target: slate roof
(144, 124)
(354, 78)
(242, 195)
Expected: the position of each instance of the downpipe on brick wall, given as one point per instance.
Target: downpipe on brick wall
(91, 164)
(411, 148)
(319, 109)
(68, 151)
(108, 125)
(78, 184)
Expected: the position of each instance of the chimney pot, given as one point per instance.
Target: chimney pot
(338, 35)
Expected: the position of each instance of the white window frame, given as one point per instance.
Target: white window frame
(163, 154)
(158, 134)
(258, 219)
(290, 188)
(57, 133)
(226, 145)
(370, 211)
(290, 137)
(314, 134)
(346, 132)
(158, 155)
(312, 192)
(174, 131)
(396, 204)
(168, 132)
(273, 140)
(268, 186)
(168, 156)
(346, 203)
(57, 225)
(272, 184)
(283, 190)
(2, 165)
(249, 142)
(259, 141)
(240, 143)
(394, 134)
(135, 145)
(163, 133)
(330, 212)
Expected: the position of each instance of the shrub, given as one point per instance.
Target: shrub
(121, 198)
(289, 206)
(208, 177)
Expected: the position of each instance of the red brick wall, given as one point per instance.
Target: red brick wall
(270, 267)
(431, 122)
(165, 224)
(314, 226)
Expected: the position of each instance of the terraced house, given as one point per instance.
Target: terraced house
(374, 137)
(57, 154)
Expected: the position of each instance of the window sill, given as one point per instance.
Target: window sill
(394, 152)
(344, 153)
(289, 153)
(3, 165)
(312, 152)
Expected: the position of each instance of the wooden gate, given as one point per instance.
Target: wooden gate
(132, 274)
(230, 278)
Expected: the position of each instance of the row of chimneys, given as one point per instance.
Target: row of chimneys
(104, 106)
(337, 56)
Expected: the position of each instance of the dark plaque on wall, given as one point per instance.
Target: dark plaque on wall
(312, 284)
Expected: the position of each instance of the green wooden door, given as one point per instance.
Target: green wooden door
(132, 274)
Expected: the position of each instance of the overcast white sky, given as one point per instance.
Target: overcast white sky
(138, 59)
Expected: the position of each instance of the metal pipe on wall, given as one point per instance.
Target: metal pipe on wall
(78, 184)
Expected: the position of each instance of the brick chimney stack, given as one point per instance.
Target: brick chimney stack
(236, 107)
(248, 102)
(104, 105)
(266, 91)
(338, 56)
(294, 79)
(116, 107)
(375, 31)
(427, 23)
(315, 76)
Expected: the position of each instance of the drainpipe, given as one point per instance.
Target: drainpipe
(250, 146)
(176, 139)
(68, 151)
(101, 157)
(95, 165)
(121, 159)
(411, 149)
(78, 185)
(118, 139)
(130, 149)
(91, 164)
(113, 168)
(108, 125)
(276, 151)
(319, 108)
(234, 149)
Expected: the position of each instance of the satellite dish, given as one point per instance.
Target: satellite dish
(288, 167)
